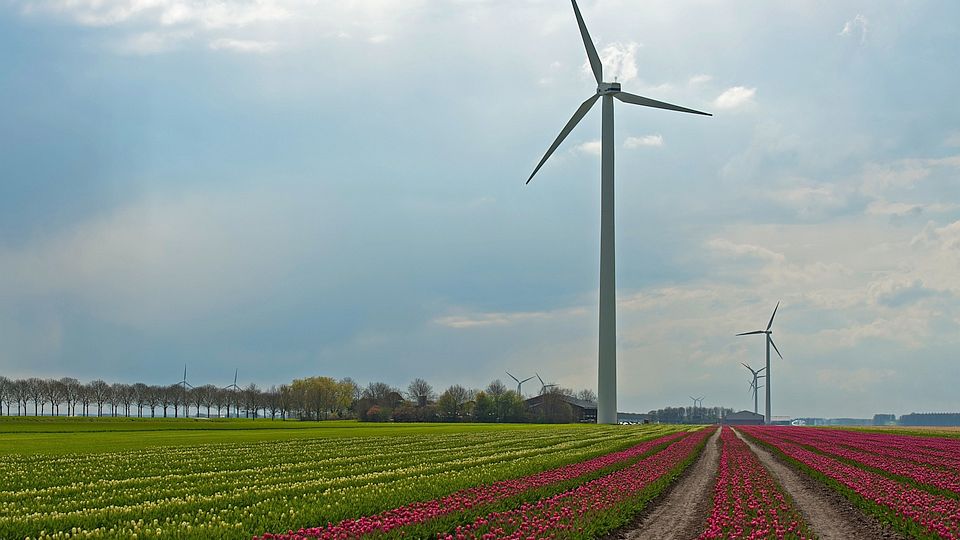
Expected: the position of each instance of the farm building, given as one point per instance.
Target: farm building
(744, 418)
(582, 411)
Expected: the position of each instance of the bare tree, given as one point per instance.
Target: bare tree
(100, 392)
(420, 392)
(496, 389)
(35, 391)
(71, 388)
(6, 393)
(586, 395)
(140, 391)
(208, 395)
(21, 392)
(56, 394)
(85, 396)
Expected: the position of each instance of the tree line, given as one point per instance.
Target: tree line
(309, 398)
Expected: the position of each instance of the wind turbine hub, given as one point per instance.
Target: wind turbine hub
(608, 88)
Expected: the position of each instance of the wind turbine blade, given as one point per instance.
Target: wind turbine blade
(769, 324)
(647, 102)
(577, 116)
(751, 333)
(775, 347)
(761, 369)
(512, 377)
(592, 55)
(525, 380)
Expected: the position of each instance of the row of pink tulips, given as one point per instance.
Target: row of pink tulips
(874, 453)
(590, 509)
(747, 501)
(922, 512)
(930, 451)
(471, 498)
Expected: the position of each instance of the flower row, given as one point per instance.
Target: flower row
(747, 502)
(472, 498)
(591, 509)
(918, 511)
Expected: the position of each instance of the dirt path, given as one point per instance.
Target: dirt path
(829, 514)
(681, 512)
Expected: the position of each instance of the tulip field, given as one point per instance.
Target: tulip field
(340, 480)
(908, 481)
(314, 476)
(748, 503)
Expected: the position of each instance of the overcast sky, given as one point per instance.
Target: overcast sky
(294, 187)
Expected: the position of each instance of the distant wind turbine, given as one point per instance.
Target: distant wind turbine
(544, 386)
(519, 383)
(183, 384)
(753, 383)
(769, 340)
(235, 390)
(607, 369)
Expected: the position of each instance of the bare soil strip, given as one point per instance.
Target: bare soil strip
(681, 512)
(829, 514)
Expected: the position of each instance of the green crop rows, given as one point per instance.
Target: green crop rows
(232, 481)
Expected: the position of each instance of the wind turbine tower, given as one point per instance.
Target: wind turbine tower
(519, 383)
(607, 368)
(768, 333)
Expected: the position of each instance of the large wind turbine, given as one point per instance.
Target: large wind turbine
(519, 383)
(607, 384)
(753, 384)
(767, 418)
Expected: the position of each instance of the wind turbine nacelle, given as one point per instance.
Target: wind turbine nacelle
(606, 88)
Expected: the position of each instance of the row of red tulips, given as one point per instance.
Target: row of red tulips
(917, 512)
(748, 503)
(591, 509)
(896, 459)
(475, 498)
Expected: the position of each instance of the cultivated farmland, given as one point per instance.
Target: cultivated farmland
(332, 480)
(239, 482)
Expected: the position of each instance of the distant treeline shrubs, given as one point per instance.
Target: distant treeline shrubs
(310, 398)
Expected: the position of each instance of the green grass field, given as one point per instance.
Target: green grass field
(234, 478)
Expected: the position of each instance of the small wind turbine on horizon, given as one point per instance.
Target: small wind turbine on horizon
(544, 386)
(607, 368)
(769, 340)
(235, 389)
(519, 382)
(753, 383)
(183, 384)
(697, 403)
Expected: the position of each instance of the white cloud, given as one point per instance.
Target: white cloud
(645, 140)
(619, 62)
(700, 79)
(735, 97)
(731, 248)
(243, 45)
(198, 13)
(952, 140)
(483, 319)
(812, 200)
(859, 380)
(151, 42)
(857, 25)
(902, 209)
(590, 147)
(378, 38)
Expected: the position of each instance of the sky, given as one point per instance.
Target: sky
(299, 187)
